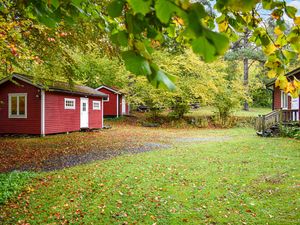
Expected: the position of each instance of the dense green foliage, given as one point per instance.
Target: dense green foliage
(39, 31)
(292, 131)
(11, 184)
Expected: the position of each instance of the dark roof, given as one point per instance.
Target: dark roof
(295, 72)
(56, 86)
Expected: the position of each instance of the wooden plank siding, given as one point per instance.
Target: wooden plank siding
(29, 125)
(57, 118)
(110, 107)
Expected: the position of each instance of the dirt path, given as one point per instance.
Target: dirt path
(61, 151)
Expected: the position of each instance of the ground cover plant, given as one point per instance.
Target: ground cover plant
(213, 176)
(12, 183)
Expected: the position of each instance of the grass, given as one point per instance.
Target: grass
(12, 183)
(208, 111)
(241, 180)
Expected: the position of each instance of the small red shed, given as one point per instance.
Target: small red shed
(282, 100)
(30, 107)
(115, 104)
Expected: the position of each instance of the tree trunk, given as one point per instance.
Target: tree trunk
(246, 69)
(246, 76)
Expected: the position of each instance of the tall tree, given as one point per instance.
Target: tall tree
(136, 27)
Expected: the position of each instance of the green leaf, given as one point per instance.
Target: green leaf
(115, 8)
(160, 79)
(48, 21)
(135, 63)
(55, 3)
(202, 47)
(164, 10)
(289, 54)
(120, 38)
(140, 6)
(77, 3)
(220, 41)
(268, 4)
(291, 11)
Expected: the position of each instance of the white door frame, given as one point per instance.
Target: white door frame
(295, 105)
(84, 115)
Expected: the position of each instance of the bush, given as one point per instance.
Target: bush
(11, 184)
(290, 131)
(179, 108)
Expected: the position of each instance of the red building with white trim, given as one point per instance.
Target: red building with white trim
(284, 101)
(30, 107)
(115, 104)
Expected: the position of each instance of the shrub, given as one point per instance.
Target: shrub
(290, 131)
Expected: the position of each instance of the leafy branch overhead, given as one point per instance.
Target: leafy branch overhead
(137, 27)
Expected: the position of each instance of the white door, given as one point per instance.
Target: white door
(84, 112)
(295, 105)
(123, 105)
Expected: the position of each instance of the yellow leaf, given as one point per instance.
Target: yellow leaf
(297, 20)
(223, 26)
(282, 82)
(296, 83)
(277, 31)
(277, 82)
(295, 94)
(271, 74)
(269, 49)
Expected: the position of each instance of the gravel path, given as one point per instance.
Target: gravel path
(57, 163)
(65, 161)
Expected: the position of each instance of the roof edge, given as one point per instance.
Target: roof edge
(109, 88)
(20, 77)
(289, 74)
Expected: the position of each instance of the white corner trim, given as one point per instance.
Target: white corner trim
(102, 112)
(117, 105)
(43, 97)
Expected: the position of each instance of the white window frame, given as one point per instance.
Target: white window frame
(107, 100)
(71, 100)
(284, 100)
(97, 108)
(10, 95)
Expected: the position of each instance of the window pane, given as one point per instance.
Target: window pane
(21, 105)
(14, 105)
(84, 107)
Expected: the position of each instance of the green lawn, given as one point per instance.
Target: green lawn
(208, 111)
(240, 179)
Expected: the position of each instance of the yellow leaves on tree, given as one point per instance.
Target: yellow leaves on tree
(291, 87)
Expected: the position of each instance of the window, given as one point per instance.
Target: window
(106, 99)
(17, 105)
(96, 105)
(69, 103)
(284, 100)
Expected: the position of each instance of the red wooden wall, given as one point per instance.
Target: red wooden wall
(95, 116)
(29, 125)
(277, 99)
(58, 119)
(110, 107)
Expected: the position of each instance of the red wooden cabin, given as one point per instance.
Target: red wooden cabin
(115, 104)
(30, 107)
(284, 101)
